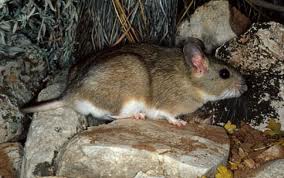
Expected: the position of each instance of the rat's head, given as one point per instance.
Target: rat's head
(212, 79)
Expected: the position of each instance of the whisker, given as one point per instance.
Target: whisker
(236, 106)
(222, 113)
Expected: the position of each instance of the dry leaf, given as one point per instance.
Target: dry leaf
(274, 152)
(280, 142)
(250, 163)
(234, 165)
(273, 128)
(242, 153)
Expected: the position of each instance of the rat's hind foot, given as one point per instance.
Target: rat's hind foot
(177, 122)
(139, 116)
(171, 119)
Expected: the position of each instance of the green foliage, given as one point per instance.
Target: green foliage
(49, 24)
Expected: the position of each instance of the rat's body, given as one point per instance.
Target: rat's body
(145, 80)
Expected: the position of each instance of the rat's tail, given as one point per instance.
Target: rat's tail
(44, 106)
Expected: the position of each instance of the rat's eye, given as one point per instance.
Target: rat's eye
(224, 73)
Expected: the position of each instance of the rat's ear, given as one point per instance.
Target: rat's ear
(194, 57)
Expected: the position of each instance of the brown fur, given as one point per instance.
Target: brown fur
(158, 76)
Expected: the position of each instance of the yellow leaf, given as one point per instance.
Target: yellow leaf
(230, 128)
(274, 125)
(223, 172)
(203, 177)
(273, 128)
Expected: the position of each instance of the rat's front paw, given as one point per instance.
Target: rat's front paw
(177, 122)
(139, 116)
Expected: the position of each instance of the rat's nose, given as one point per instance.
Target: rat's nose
(241, 86)
(244, 88)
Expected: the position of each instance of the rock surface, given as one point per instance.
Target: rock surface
(22, 69)
(10, 159)
(10, 120)
(51, 177)
(47, 134)
(259, 55)
(129, 148)
(271, 169)
(147, 175)
(214, 23)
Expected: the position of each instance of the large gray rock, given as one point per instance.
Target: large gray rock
(10, 159)
(48, 132)
(11, 125)
(147, 175)
(22, 69)
(259, 55)
(214, 23)
(271, 169)
(136, 148)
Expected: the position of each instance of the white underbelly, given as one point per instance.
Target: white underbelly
(133, 107)
(128, 110)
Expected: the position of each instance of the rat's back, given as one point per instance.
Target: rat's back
(124, 81)
(109, 83)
